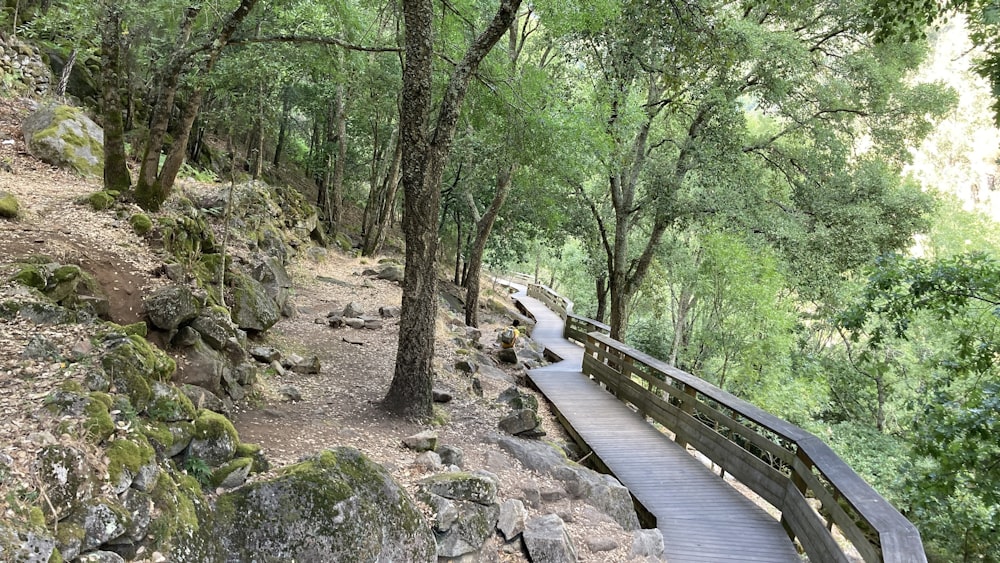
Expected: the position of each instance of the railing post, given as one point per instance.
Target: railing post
(800, 485)
(687, 408)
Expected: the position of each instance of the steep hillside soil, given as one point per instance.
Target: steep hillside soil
(339, 406)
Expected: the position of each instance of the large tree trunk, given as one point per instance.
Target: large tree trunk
(601, 287)
(483, 229)
(116, 175)
(286, 115)
(424, 157)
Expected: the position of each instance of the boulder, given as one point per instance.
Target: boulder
(603, 492)
(202, 366)
(170, 307)
(429, 460)
(547, 541)
(474, 497)
(102, 520)
(25, 543)
(507, 355)
(100, 557)
(217, 329)
(512, 518)
(389, 312)
(451, 455)
(336, 506)
(353, 310)
(520, 422)
(647, 543)
(252, 307)
(169, 404)
(466, 366)
(265, 354)
(391, 272)
(271, 274)
(65, 476)
(290, 393)
(439, 396)
(214, 440)
(132, 364)
(422, 442)
(63, 136)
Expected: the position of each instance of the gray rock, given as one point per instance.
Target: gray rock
(647, 543)
(473, 527)
(100, 557)
(512, 518)
(451, 455)
(40, 348)
(520, 421)
(252, 308)
(202, 398)
(344, 505)
(373, 324)
(214, 439)
(216, 328)
(353, 310)
(202, 366)
(290, 393)
(185, 337)
(354, 322)
(389, 312)
(477, 387)
(145, 478)
(101, 520)
(265, 354)
(598, 545)
(422, 442)
(552, 493)
(466, 366)
(335, 321)
(279, 369)
(604, 492)
(181, 433)
(507, 355)
(167, 404)
(63, 136)
(547, 540)
(139, 506)
(171, 306)
(440, 396)
(529, 355)
(429, 460)
(445, 512)
(63, 472)
(271, 274)
(479, 487)
(495, 373)
(391, 272)
(308, 366)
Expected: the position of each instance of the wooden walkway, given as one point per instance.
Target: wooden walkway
(702, 518)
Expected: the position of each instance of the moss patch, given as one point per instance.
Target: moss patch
(141, 223)
(98, 425)
(130, 454)
(9, 206)
(132, 363)
(99, 201)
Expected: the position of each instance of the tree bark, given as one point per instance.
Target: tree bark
(152, 194)
(286, 115)
(116, 175)
(424, 157)
(337, 183)
(390, 186)
(483, 229)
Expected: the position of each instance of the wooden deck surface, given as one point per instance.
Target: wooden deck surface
(702, 518)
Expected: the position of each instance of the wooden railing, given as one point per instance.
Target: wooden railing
(577, 328)
(552, 300)
(788, 467)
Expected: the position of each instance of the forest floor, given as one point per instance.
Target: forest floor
(340, 404)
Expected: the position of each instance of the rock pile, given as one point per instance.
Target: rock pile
(21, 64)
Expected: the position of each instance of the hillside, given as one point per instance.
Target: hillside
(290, 415)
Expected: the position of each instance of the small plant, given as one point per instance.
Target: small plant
(197, 468)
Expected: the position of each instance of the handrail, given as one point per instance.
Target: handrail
(578, 327)
(787, 466)
(552, 300)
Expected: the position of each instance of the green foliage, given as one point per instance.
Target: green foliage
(201, 471)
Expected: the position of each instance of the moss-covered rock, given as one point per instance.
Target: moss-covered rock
(63, 136)
(66, 477)
(125, 458)
(133, 364)
(215, 438)
(181, 512)
(168, 404)
(31, 275)
(338, 506)
(252, 308)
(101, 200)
(141, 223)
(171, 306)
(98, 423)
(9, 206)
(232, 474)
(256, 453)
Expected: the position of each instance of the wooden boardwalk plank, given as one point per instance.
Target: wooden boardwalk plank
(702, 517)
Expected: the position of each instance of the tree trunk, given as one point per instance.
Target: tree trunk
(337, 183)
(286, 115)
(116, 175)
(601, 283)
(424, 157)
(483, 230)
(152, 194)
(68, 67)
(458, 246)
(390, 186)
